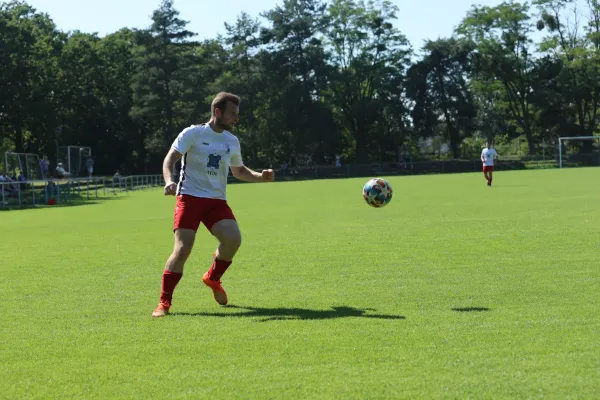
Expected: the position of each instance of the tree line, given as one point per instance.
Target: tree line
(317, 79)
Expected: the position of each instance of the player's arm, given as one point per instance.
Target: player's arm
(169, 163)
(245, 174)
(181, 145)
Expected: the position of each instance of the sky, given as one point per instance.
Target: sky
(418, 20)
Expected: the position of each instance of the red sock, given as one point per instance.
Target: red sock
(169, 281)
(217, 269)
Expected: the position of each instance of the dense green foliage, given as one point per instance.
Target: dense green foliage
(319, 78)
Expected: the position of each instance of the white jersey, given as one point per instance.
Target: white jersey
(207, 156)
(488, 156)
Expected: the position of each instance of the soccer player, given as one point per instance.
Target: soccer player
(209, 151)
(488, 155)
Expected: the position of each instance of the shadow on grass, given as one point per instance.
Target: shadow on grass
(471, 309)
(274, 314)
(71, 203)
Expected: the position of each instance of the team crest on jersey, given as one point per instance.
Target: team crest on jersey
(227, 148)
(214, 161)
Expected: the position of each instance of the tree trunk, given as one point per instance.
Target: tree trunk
(530, 141)
(453, 135)
(454, 141)
(360, 137)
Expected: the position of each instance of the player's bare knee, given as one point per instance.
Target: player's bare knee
(233, 239)
(228, 233)
(182, 250)
(184, 242)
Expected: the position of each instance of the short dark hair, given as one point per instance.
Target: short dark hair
(221, 99)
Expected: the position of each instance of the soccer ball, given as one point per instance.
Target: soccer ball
(377, 192)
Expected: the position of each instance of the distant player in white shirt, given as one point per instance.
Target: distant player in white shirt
(209, 151)
(488, 155)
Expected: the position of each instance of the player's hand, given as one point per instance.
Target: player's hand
(170, 188)
(268, 175)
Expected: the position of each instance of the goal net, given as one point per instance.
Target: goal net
(579, 151)
(74, 159)
(27, 164)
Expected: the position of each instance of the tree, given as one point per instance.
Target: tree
(441, 91)
(295, 73)
(165, 64)
(577, 56)
(30, 44)
(123, 141)
(366, 50)
(241, 74)
(504, 54)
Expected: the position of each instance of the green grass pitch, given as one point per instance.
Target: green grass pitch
(454, 290)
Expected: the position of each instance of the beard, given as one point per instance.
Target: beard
(222, 125)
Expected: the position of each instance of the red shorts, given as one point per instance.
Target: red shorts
(488, 168)
(191, 210)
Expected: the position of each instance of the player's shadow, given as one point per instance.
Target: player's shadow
(273, 314)
(471, 309)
